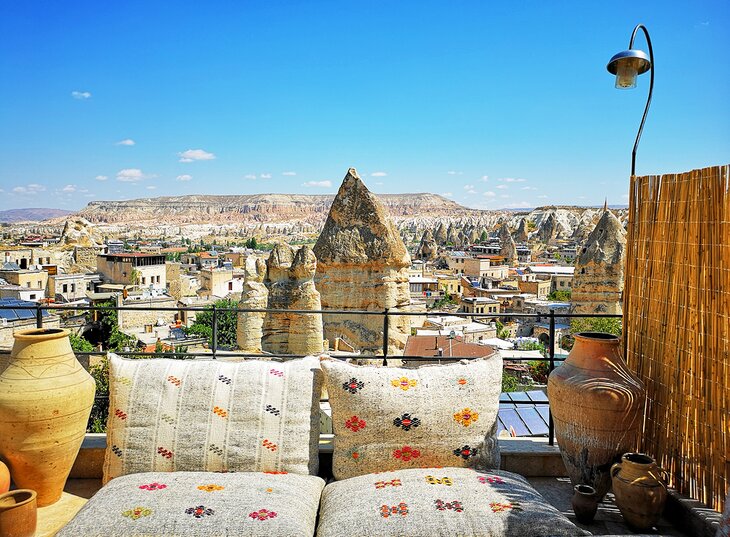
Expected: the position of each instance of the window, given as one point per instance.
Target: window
(230, 286)
(40, 284)
(73, 287)
(32, 297)
(158, 279)
(65, 288)
(27, 284)
(144, 280)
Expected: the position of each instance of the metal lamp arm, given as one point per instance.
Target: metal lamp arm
(651, 91)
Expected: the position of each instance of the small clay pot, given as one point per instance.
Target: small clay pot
(18, 513)
(4, 478)
(585, 503)
(639, 486)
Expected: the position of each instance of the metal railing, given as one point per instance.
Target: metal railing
(551, 317)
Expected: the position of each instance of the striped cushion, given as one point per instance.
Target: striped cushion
(211, 415)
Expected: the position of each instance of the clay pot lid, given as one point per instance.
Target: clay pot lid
(40, 334)
(17, 498)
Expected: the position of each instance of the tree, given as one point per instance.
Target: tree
(79, 344)
(483, 237)
(226, 318)
(509, 383)
(251, 243)
(115, 339)
(607, 325)
(560, 295)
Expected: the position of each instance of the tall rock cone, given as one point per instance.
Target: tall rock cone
(249, 329)
(440, 234)
(599, 269)
(362, 265)
(427, 250)
(522, 235)
(508, 249)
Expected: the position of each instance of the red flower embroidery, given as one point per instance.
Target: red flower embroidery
(465, 452)
(200, 511)
(353, 385)
(120, 414)
(153, 486)
(355, 424)
(498, 507)
(406, 453)
(388, 510)
(262, 514)
(491, 479)
(164, 452)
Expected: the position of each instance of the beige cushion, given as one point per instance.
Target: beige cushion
(211, 415)
(201, 504)
(436, 415)
(439, 502)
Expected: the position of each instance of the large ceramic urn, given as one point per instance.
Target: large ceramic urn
(45, 401)
(597, 405)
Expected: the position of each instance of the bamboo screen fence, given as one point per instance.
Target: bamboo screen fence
(677, 324)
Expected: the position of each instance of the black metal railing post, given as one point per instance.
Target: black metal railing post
(214, 336)
(551, 355)
(39, 316)
(385, 337)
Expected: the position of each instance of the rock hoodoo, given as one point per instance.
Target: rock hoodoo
(78, 231)
(428, 249)
(249, 329)
(290, 284)
(508, 249)
(599, 269)
(522, 235)
(362, 265)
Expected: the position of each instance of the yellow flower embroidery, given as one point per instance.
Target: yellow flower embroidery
(210, 488)
(404, 383)
(466, 417)
(137, 512)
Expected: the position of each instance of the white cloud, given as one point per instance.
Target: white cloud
(378, 174)
(484, 178)
(489, 194)
(184, 177)
(195, 154)
(468, 187)
(69, 188)
(265, 176)
(452, 172)
(447, 194)
(101, 178)
(511, 180)
(501, 187)
(30, 189)
(131, 175)
(472, 191)
(320, 184)
(517, 205)
(542, 196)
(289, 174)
(126, 141)
(528, 188)
(250, 176)
(81, 95)
(151, 187)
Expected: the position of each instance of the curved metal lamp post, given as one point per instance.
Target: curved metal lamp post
(627, 65)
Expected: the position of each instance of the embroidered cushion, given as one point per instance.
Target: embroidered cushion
(211, 415)
(201, 503)
(439, 501)
(436, 415)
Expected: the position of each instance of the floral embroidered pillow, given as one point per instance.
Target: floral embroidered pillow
(436, 415)
(212, 415)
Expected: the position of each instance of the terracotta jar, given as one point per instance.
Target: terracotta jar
(45, 401)
(597, 405)
(4, 478)
(585, 503)
(640, 489)
(18, 513)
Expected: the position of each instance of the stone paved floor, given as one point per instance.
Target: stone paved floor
(608, 521)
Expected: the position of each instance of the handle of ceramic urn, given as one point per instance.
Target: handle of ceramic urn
(663, 476)
(616, 468)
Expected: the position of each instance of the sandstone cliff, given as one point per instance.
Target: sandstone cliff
(362, 265)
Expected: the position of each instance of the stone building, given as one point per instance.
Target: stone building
(598, 280)
(145, 270)
(362, 264)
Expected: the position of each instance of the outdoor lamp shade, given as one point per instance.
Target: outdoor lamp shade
(627, 65)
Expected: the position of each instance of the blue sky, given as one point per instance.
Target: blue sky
(495, 105)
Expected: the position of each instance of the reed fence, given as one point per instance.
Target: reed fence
(677, 324)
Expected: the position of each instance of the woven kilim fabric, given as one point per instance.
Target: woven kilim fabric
(201, 504)
(387, 418)
(211, 415)
(439, 502)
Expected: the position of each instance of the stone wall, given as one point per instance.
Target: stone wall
(137, 319)
(6, 331)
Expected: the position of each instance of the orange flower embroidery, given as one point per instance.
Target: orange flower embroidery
(218, 411)
(462, 381)
(466, 417)
(404, 383)
(210, 488)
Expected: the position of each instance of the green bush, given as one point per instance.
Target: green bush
(226, 320)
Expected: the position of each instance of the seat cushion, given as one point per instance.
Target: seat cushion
(387, 418)
(439, 502)
(211, 415)
(201, 504)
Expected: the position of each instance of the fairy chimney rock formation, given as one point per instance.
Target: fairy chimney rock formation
(427, 250)
(508, 249)
(522, 235)
(549, 229)
(440, 234)
(290, 284)
(362, 265)
(599, 269)
(249, 328)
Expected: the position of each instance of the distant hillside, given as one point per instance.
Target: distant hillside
(31, 215)
(255, 208)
